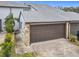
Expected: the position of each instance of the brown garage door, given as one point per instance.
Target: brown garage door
(47, 32)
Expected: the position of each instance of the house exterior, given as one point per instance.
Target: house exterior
(47, 23)
(40, 22)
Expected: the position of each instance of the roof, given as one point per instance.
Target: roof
(45, 13)
(12, 4)
(42, 12)
(72, 15)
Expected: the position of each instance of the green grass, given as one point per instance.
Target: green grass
(29, 54)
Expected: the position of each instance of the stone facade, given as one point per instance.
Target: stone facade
(27, 34)
(2, 38)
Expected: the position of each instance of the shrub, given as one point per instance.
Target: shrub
(28, 54)
(9, 23)
(8, 37)
(72, 38)
(6, 49)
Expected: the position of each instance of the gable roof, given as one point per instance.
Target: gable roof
(72, 15)
(12, 4)
(45, 13)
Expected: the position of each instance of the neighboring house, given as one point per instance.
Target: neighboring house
(10, 7)
(41, 22)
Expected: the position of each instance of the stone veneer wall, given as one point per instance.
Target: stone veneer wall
(2, 38)
(27, 34)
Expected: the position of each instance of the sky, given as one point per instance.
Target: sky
(58, 3)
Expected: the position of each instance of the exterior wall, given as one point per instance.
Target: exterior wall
(27, 34)
(2, 38)
(16, 11)
(24, 31)
(16, 27)
(5, 12)
(74, 28)
(67, 30)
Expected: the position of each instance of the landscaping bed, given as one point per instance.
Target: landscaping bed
(73, 39)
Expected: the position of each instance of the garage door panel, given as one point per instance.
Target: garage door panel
(47, 32)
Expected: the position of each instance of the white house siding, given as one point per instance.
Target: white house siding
(24, 31)
(5, 12)
(21, 28)
(16, 27)
(16, 11)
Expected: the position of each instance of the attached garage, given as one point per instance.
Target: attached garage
(74, 28)
(46, 32)
(48, 23)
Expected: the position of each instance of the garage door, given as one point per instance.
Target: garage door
(47, 32)
(74, 28)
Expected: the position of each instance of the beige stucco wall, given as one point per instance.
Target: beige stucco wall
(27, 34)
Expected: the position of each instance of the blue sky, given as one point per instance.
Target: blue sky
(58, 3)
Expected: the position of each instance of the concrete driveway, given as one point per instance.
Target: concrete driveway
(56, 48)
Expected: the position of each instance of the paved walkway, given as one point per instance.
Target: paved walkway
(56, 48)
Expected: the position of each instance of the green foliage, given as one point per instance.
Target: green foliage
(8, 37)
(28, 54)
(6, 47)
(72, 38)
(71, 9)
(9, 23)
